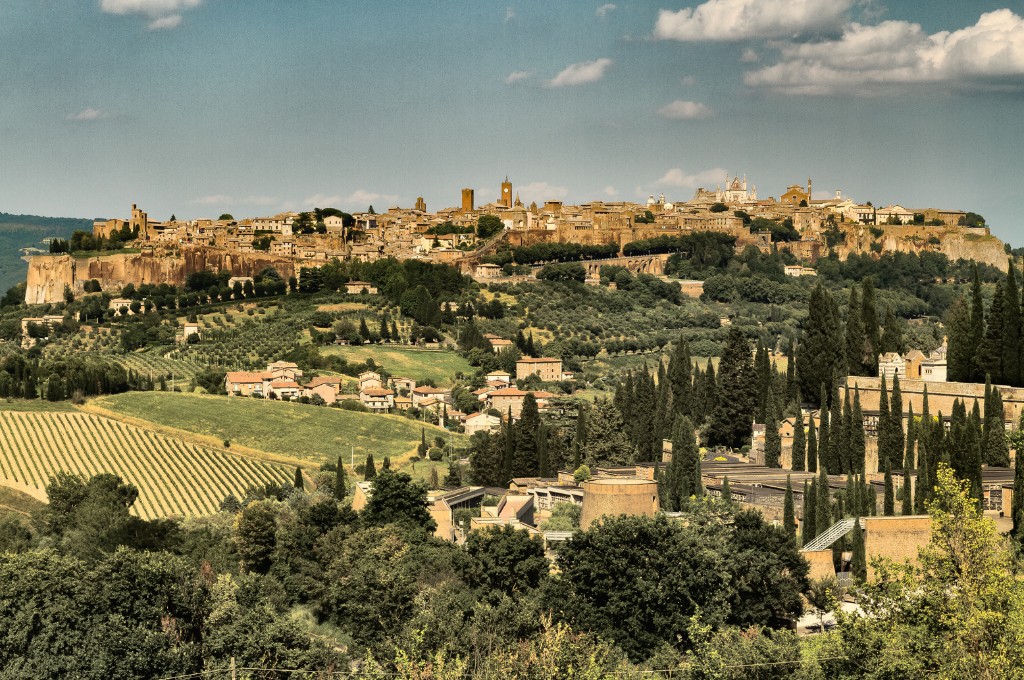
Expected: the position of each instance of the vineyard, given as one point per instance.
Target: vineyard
(174, 478)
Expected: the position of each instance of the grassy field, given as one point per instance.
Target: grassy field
(34, 405)
(14, 502)
(174, 477)
(314, 434)
(418, 364)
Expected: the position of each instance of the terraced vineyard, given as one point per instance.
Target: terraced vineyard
(174, 478)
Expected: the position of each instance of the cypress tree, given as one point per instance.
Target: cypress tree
(726, 491)
(370, 470)
(698, 476)
(385, 464)
(854, 335)
(824, 457)
(710, 390)
(525, 461)
(339, 481)
(298, 483)
(921, 483)
(788, 511)
(509, 446)
(423, 443)
(812, 445)
(580, 441)
(977, 325)
(681, 379)
(737, 399)
(822, 353)
(677, 474)
(896, 431)
(848, 462)
(906, 498)
(908, 458)
(836, 445)
(799, 450)
(772, 441)
(823, 504)
(960, 354)
(543, 457)
(974, 452)
(1017, 506)
(996, 451)
(884, 423)
(762, 369)
(808, 526)
(872, 496)
(792, 389)
(859, 565)
(1011, 329)
(892, 335)
(889, 501)
(990, 352)
(869, 318)
(858, 445)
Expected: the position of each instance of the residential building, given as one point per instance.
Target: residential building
(379, 399)
(547, 368)
(482, 422)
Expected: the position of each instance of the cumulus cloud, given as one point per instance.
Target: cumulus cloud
(604, 9)
(877, 59)
(746, 19)
(675, 177)
(87, 115)
(683, 110)
(540, 192)
(517, 76)
(749, 56)
(581, 73)
(610, 191)
(162, 14)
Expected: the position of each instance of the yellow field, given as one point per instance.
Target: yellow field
(174, 478)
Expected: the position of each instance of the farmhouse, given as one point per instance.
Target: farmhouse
(360, 287)
(547, 368)
(498, 343)
(377, 399)
(481, 422)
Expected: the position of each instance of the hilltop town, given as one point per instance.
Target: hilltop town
(468, 236)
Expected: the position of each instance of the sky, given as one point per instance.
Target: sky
(250, 107)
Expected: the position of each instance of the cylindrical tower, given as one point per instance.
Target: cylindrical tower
(615, 496)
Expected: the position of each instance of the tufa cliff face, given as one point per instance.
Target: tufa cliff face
(955, 243)
(49, 274)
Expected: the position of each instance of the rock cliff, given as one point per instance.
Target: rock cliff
(49, 274)
(955, 243)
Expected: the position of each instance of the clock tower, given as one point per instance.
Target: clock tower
(506, 193)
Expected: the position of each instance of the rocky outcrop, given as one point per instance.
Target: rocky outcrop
(955, 243)
(49, 274)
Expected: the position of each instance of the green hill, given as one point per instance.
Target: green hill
(313, 433)
(28, 231)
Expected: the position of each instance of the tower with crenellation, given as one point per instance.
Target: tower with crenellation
(505, 198)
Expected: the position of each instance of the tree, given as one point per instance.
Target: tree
(995, 450)
(812, 446)
(860, 562)
(772, 441)
(799, 449)
(977, 325)
(808, 521)
(869, 317)
(788, 512)
(726, 491)
(504, 560)
(823, 504)
(855, 335)
(960, 356)
(822, 352)
(1017, 507)
(525, 461)
(489, 225)
(298, 483)
(731, 421)
(680, 377)
(339, 481)
(396, 498)
(256, 535)
(370, 469)
(607, 442)
(889, 501)
(1011, 345)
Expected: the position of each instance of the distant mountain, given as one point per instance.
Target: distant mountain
(28, 231)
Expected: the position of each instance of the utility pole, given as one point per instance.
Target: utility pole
(234, 670)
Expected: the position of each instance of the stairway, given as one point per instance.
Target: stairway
(832, 534)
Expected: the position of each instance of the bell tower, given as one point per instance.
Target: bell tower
(506, 193)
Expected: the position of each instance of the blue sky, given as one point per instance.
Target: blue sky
(197, 107)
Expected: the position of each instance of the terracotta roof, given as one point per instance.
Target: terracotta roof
(376, 392)
(426, 389)
(508, 392)
(324, 380)
(244, 377)
(483, 390)
(285, 384)
(482, 415)
(403, 400)
(544, 395)
(499, 373)
(538, 360)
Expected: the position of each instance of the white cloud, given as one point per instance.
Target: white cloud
(610, 191)
(683, 110)
(749, 56)
(360, 198)
(87, 115)
(225, 200)
(581, 73)
(675, 177)
(746, 19)
(162, 14)
(604, 9)
(169, 21)
(517, 76)
(879, 59)
(510, 14)
(540, 192)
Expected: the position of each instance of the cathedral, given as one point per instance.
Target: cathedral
(735, 192)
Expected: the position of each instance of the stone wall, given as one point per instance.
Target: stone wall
(897, 538)
(49, 274)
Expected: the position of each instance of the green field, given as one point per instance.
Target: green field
(407, 362)
(312, 433)
(174, 477)
(34, 405)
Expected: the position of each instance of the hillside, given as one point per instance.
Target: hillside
(174, 477)
(27, 231)
(298, 431)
